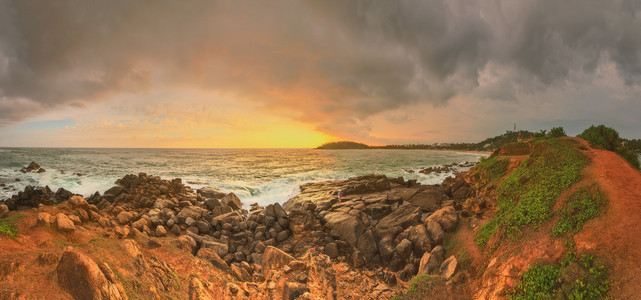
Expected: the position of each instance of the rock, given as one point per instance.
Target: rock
(331, 250)
(212, 203)
(211, 256)
(131, 247)
(428, 265)
(279, 211)
(197, 291)
(274, 259)
(77, 202)
(140, 224)
(240, 273)
(439, 253)
(232, 201)
(44, 218)
(404, 249)
(83, 279)
(293, 290)
(193, 212)
(161, 231)
(220, 248)
(4, 210)
(368, 248)
(175, 229)
(402, 216)
(421, 240)
(114, 191)
(447, 217)
(124, 217)
(449, 267)
(435, 230)
(210, 192)
(344, 226)
(33, 166)
(63, 223)
(430, 198)
(203, 227)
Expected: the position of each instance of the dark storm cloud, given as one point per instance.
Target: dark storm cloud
(345, 60)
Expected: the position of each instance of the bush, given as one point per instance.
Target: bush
(608, 139)
(538, 283)
(557, 132)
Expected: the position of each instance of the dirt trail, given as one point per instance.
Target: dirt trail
(616, 235)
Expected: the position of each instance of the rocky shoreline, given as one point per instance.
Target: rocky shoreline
(386, 230)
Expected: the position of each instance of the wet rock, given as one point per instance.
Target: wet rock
(293, 290)
(447, 217)
(63, 223)
(428, 265)
(279, 211)
(83, 279)
(449, 267)
(274, 259)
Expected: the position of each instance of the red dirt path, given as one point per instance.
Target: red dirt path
(616, 234)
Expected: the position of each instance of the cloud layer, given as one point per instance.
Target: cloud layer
(345, 67)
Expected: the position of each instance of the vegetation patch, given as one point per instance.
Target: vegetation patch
(609, 139)
(527, 195)
(572, 278)
(8, 227)
(489, 170)
(584, 204)
(422, 286)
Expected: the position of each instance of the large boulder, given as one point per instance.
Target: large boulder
(344, 226)
(63, 223)
(428, 264)
(421, 240)
(402, 216)
(447, 217)
(83, 279)
(274, 259)
(368, 248)
(449, 267)
(435, 230)
(220, 248)
(430, 198)
(232, 201)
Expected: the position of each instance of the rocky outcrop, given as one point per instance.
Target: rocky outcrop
(83, 279)
(34, 196)
(33, 167)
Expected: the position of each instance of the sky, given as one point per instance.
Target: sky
(221, 74)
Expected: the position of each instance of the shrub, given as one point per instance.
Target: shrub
(7, 226)
(608, 139)
(557, 132)
(537, 283)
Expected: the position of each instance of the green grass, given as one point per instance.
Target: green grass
(584, 204)
(8, 227)
(516, 148)
(491, 169)
(527, 195)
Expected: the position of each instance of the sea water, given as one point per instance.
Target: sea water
(255, 175)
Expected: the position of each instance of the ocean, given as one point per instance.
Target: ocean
(256, 175)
